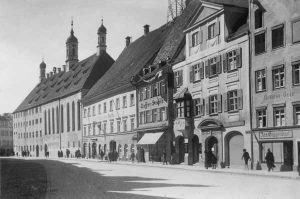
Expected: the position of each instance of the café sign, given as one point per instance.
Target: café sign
(275, 134)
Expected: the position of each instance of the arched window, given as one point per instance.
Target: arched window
(73, 116)
(49, 122)
(73, 51)
(53, 121)
(57, 119)
(68, 117)
(45, 122)
(62, 118)
(78, 116)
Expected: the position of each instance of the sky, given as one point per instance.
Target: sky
(31, 30)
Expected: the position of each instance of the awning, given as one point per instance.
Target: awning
(150, 138)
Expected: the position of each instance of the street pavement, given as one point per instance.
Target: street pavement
(70, 178)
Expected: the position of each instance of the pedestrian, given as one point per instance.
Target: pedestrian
(213, 161)
(270, 160)
(246, 158)
(165, 158)
(132, 156)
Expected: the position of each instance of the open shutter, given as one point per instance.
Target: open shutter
(240, 99)
(180, 78)
(239, 57)
(202, 70)
(191, 74)
(175, 110)
(206, 69)
(207, 106)
(220, 103)
(225, 102)
(202, 105)
(219, 65)
(225, 62)
(217, 30)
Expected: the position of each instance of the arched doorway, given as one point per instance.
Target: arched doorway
(90, 150)
(194, 151)
(94, 150)
(112, 146)
(179, 149)
(234, 145)
(37, 151)
(125, 151)
(211, 150)
(84, 149)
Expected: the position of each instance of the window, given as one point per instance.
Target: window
(296, 31)
(117, 103)
(260, 77)
(141, 94)
(261, 118)
(124, 101)
(178, 79)
(297, 115)
(195, 39)
(154, 115)
(62, 118)
(213, 104)
(147, 91)
(213, 67)
(155, 89)
(132, 100)
(211, 31)
(278, 77)
(68, 117)
(279, 116)
(78, 116)
(111, 126)
(187, 108)
(99, 127)
(162, 88)
(124, 125)
(94, 111)
(45, 121)
(278, 36)
(49, 121)
(73, 115)
(232, 60)
(104, 110)
(148, 116)
(118, 126)
(163, 114)
(104, 127)
(196, 72)
(260, 45)
(85, 112)
(99, 109)
(258, 18)
(94, 128)
(111, 105)
(232, 100)
(132, 124)
(198, 107)
(89, 112)
(296, 74)
(180, 109)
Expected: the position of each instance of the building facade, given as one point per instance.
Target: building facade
(275, 81)
(211, 98)
(6, 135)
(49, 120)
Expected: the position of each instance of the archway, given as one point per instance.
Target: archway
(94, 150)
(84, 149)
(37, 151)
(194, 149)
(125, 151)
(234, 144)
(112, 146)
(90, 150)
(179, 149)
(211, 150)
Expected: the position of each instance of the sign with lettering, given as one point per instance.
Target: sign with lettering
(275, 134)
(152, 103)
(282, 95)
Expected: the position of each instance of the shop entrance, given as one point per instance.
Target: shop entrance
(211, 151)
(112, 146)
(234, 144)
(288, 154)
(179, 148)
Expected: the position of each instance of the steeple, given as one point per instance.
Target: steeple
(42, 71)
(72, 49)
(101, 47)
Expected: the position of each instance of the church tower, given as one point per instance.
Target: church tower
(42, 71)
(101, 39)
(72, 50)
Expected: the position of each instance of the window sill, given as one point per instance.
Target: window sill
(197, 81)
(213, 114)
(261, 53)
(233, 111)
(262, 91)
(233, 70)
(277, 48)
(213, 76)
(275, 89)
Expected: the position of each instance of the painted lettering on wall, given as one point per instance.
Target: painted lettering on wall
(275, 134)
(285, 94)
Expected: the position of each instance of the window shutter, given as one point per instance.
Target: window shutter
(225, 102)
(217, 30)
(191, 74)
(201, 36)
(180, 78)
(219, 64)
(175, 110)
(220, 103)
(207, 106)
(202, 70)
(206, 68)
(202, 104)
(240, 99)
(239, 57)
(225, 62)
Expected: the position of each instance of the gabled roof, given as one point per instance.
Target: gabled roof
(79, 77)
(163, 43)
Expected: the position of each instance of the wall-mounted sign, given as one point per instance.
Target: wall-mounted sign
(154, 102)
(282, 95)
(275, 134)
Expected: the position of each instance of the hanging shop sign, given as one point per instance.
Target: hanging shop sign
(275, 134)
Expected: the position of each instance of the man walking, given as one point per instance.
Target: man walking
(270, 160)
(246, 158)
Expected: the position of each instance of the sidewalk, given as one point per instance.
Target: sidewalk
(200, 168)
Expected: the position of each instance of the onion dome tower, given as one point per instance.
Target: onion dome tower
(72, 50)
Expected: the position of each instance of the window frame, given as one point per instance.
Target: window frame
(233, 99)
(297, 20)
(294, 64)
(283, 36)
(262, 18)
(265, 46)
(213, 102)
(234, 59)
(263, 78)
(262, 116)
(280, 115)
(211, 31)
(195, 39)
(295, 113)
(280, 80)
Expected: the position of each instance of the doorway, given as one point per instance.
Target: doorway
(37, 150)
(211, 150)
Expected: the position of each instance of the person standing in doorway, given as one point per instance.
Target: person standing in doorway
(270, 160)
(246, 158)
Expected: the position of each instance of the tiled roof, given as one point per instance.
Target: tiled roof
(237, 3)
(160, 44)
(81, 76)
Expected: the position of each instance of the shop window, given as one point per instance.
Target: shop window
(296, 74)
(258, 18)
(124, 101)
(296, 31)
(278, 36)
(260, 77)
(260, 43)
(279, 116)
(178, 78)
(278, 77)
(195, 39)
(276, 148)
(297, 115)
(261, 117)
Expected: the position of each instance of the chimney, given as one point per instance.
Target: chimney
(146, 29)
(51, 74)
(128, 40)
(47, 75)
(64, 68)
(54, 70)
(59, 70)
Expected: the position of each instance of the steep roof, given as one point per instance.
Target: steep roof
(161, 44)
(81, 76)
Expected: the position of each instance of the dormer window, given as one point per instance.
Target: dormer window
(211, 31)
(195, 39)
(258, 18)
